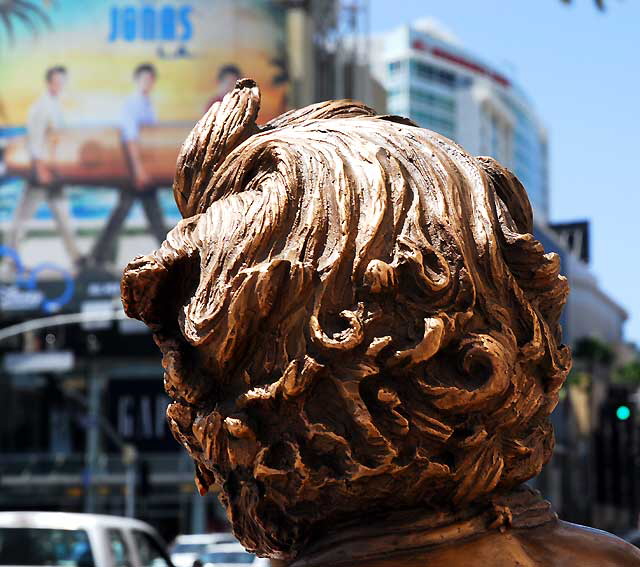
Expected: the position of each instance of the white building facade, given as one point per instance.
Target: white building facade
(432, 80)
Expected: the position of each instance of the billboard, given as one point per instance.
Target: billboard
(95, 101)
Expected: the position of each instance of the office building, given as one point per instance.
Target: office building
(431, 79)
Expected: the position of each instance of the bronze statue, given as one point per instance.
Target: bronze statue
(360, 336)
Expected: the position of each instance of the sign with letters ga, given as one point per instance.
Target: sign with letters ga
(137, 411)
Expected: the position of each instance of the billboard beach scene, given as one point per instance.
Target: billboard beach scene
(94, 107)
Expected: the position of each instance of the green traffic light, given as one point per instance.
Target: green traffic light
(623, 413)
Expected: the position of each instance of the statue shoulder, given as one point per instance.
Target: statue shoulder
(572, 544)
(556, 544)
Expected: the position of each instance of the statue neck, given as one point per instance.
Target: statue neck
(419, 529)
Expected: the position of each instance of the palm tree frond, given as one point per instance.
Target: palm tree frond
(31, 9)
(599, 3)
(29, 13)
(27, 21)
(8, 26)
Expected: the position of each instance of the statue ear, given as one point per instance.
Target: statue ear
(224, 127)
(141, 285)
(153, 286)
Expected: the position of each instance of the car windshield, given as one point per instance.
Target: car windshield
(189, 548)
(43, 546)
(228, 557)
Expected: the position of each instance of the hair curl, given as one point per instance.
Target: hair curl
(354, 317)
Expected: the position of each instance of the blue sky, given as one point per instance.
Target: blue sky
(581, 69)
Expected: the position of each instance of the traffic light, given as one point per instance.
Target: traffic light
(617, 451)
(623, 412)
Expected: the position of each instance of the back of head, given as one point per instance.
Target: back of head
(355, 318)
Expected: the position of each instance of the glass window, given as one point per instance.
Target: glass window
(40, 546)
(431, 73)
(119, 549)
(189, 548)
(433, 99)
(240, 557)
(149, 550)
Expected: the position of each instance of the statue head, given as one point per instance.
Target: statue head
(354, 317)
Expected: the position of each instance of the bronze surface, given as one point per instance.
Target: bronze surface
(358, 328)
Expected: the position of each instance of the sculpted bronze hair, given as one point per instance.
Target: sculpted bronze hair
(354, 318)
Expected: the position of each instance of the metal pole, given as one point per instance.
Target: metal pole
(130, 501)
(198, 512)
(368, 93)
(92, 450)
(130, 459)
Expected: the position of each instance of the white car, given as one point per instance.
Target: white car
(78, 540)
(187, 548)
(229, 555)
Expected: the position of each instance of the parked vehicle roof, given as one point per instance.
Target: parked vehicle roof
(67, 520)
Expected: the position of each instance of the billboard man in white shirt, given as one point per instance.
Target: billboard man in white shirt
(137, 111)
(44, 118)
